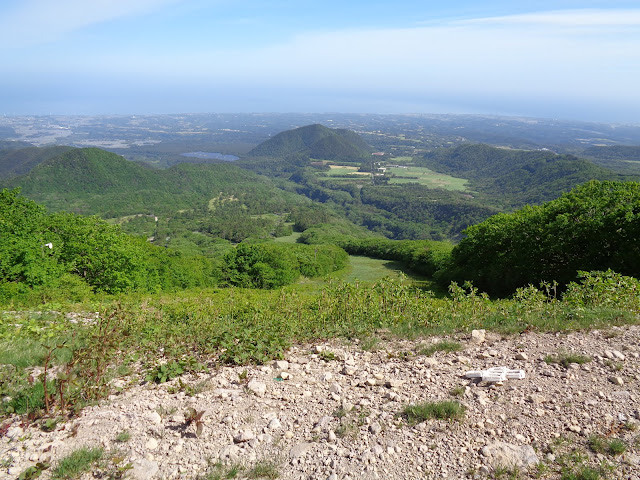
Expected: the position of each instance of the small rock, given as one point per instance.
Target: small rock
(154, 417)
(478, 336)
(299, 450)
(144, 469)
(375, 428)
(522, 356)
(151, 444)
(281, 365)
(274, 424)
(14, 432)
(244, 436)
(507, 455)
(257, 387)
(616, 380)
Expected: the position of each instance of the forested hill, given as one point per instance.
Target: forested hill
(21, 160)
(315, 141)
(516, 177)
(616, 152)
(624, 159)
(93, 181)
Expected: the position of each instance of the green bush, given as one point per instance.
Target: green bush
(593, 227)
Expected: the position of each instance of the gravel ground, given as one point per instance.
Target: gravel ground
(331, 411)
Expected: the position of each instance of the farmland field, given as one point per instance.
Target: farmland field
(344, 170)
(425, 176)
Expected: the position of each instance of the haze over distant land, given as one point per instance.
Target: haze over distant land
(551, 59)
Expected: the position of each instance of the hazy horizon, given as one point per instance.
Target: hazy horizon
(563, 59)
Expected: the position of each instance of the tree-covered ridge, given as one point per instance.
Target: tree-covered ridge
(623, 159)
(93, 181)
(314, 141)
(614, 152)
(516, 177)
(595, 226)
(21, 160)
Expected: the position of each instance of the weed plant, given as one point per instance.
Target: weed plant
(567, 358)
(264, 469)
(445, 410)
(76, 463)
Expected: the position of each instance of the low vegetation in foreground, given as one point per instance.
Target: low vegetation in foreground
(54, 360)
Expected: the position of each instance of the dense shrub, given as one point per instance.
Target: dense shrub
(272, 265)
(593, 227)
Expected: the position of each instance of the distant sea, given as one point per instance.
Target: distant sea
(212, 155)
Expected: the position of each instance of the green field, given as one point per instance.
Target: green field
(293, 238)
(367, 269)
(400, 160)
(427, 177)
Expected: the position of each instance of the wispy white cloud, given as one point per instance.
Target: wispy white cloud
(33, 22)
(531, 54)
(567, 18)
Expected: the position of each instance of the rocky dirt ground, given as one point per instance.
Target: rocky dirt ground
(331, 411)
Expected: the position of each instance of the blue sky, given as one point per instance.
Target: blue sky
(554, 59)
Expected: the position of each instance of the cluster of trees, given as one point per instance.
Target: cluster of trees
(46, 251)
(272, 265)
(595, 226)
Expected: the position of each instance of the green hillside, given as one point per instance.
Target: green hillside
(623, 159)
(19, 161)
(93, 181)
(315, 141)
(515, 177)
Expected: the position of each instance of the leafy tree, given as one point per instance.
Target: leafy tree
(25, 256)
(260, 266)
